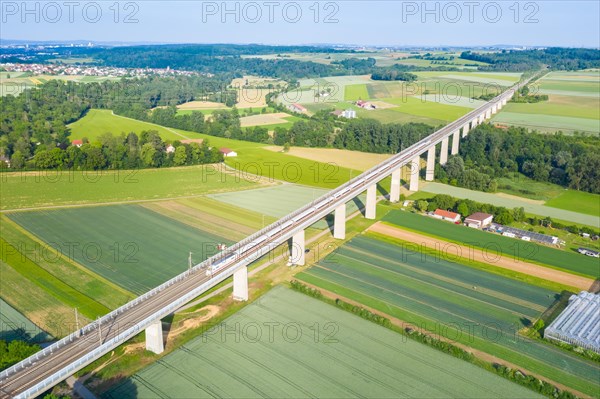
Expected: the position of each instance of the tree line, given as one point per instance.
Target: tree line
(556, 58)
(569, 161)
(120, 152)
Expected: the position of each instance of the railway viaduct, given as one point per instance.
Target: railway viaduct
(62, 359)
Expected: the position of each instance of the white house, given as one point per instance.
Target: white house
(479, 220)
(446, 215)
(227, 152)
(170, 149)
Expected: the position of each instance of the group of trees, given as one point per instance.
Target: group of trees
(525, 60)
(372, 136)
(570, 161)
(37, 119)
(120, 152)
(455, 173)
(467, 207)
(15, 351)
(524, 96)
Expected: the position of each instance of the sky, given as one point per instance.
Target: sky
(359, 22)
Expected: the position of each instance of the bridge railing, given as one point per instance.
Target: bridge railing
(234, 249)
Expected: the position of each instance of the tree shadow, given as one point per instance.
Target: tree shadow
(595, 287)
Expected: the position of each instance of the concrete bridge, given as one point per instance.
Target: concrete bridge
(62, 359)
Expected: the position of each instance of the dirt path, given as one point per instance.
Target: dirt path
(477, 353)
(482, 256)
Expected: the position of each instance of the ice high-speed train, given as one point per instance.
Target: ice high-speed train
(317, 205)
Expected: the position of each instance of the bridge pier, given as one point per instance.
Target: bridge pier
(339, 222)
(154, 338)
(298, 249)
(494, 109)
(414, 173)
(429, 172)
(474, 123)
(370, 206)
(488, 113)
(240, 284)
(465, 130)
(444, 151)
(455, 140)
(503, 102)
(395, 186)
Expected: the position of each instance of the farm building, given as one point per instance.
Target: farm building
(227, 152)
(349, 113)
(365, 104)
(479, 220)
(77, 143)
(523, 234)
(589, 252)
(297, 108)
(446, 215)
(579, 323)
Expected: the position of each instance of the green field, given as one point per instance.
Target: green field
(356, 92)
(99, 121)
(56, 273)
(572, 214)
(573, 104)
(129, 245)
(571, 199)
(23, 190)
(415, 106)
(482, 310)
(13, 325)
(571, 262)
(281, 200)
(316, 351)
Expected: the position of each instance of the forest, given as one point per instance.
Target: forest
(569, 161)
(525, 60)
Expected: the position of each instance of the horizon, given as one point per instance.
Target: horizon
(344, 23)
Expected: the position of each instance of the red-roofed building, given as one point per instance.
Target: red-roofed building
(297, 108)
(446, 215)
(77, 143)
(227, 152)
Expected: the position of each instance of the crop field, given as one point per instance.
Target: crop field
(345, 158)
(356, 92)
(571, 199)
(316, 350)
(128, 245)
(532, 207)
(22, 190)
(280, 200)
(99, 121)
(573, 105)
(481, 310)
(435, 98)
(270, 120)
(212, 216)
(13, 325)
(528, 251)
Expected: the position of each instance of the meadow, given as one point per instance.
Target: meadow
(568, 261)
(571, 199)
(99, 121)
(129, 245)
(21, 190)
(314, 350)
(478, 309)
